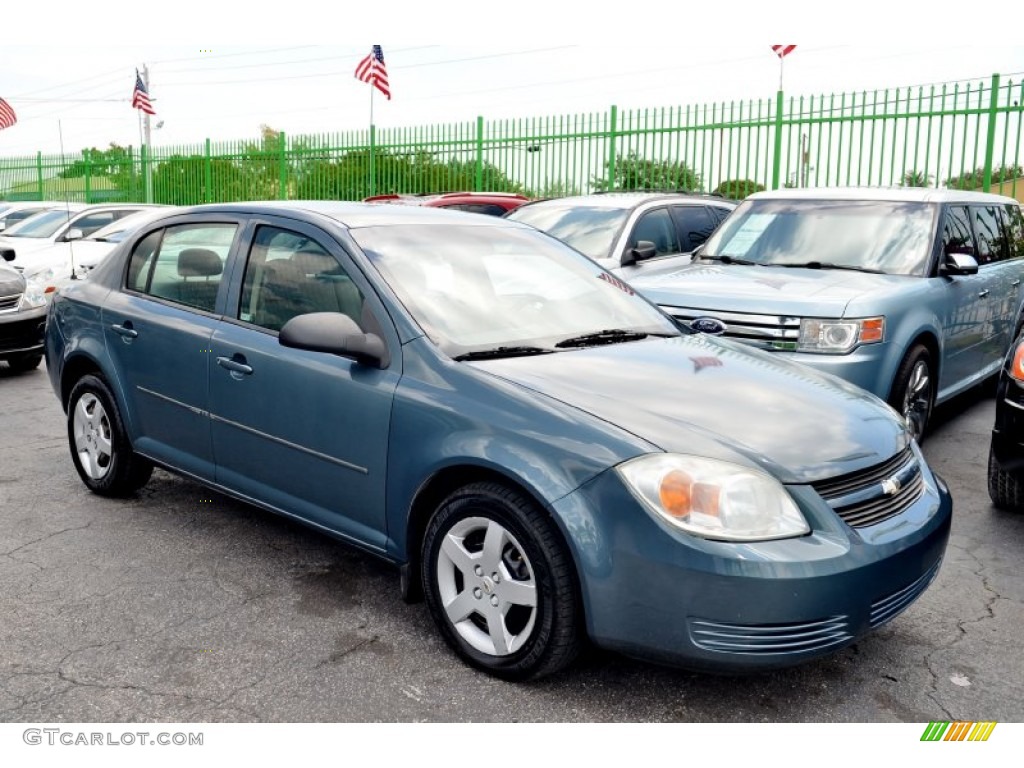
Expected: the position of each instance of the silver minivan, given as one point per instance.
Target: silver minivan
(912, 294)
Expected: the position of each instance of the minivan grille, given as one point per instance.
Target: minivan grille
(764, 331)
(870, 496)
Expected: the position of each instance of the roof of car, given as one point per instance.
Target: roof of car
(631, 199)
(897, 194)
(352, 214)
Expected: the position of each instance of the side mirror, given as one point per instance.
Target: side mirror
(74, 234)
(958, 264)
(3, 226)
(336, 334)
(644, 249)
(7, 254)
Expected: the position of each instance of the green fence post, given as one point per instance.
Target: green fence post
(208, 174)
(990, 139)
(88, 169)
(777, 160)
(39, 173)
(612, 129)
(144, 158)
(479, 181)
(282, 187)
(373, 174)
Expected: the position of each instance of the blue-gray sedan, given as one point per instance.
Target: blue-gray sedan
(544, 454)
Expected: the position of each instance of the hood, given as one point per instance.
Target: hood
(23, 245)
(712, 397)
(11, 282)
(763, 290)
(85, 253)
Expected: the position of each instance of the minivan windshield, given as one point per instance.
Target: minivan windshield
(41, 225)
(590, 230)
(482, 289)
(894, 237)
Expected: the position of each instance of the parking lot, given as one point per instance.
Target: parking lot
(184, 605)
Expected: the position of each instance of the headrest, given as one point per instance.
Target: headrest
(199, 262)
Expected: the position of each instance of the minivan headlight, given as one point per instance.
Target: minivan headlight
(33, 296)
(713, 499)
(838, 337)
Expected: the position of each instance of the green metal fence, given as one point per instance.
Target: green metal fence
(965, 135)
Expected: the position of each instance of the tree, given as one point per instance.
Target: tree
(976, 179)
(737, 189)
(181, 180)
(117, 164)
(634, 173)
(916, 179)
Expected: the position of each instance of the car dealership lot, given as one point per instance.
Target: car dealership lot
(183, 605)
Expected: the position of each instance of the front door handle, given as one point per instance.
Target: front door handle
(234, 366)
(1015, 283)
(125, 330)
(983, 294)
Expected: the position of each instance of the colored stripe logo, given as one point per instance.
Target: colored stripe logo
(958, 731)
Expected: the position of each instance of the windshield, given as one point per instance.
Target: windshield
(118, 230)
(878, 235)
(41, 225)
(589, 230)
(475, 288)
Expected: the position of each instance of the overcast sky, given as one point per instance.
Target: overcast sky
(220, 76)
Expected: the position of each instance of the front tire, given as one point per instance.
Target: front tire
(913, 390)
(499, 583)
(1005, 488)
(100, 448)
(24, 363)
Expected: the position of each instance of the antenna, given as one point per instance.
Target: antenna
(67, 203)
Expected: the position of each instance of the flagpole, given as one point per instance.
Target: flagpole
(373, 175)
(782, 61)
(149, 140)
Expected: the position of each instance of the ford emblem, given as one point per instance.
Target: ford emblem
(711, 325)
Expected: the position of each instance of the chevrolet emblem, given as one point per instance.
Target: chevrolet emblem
(891, 486)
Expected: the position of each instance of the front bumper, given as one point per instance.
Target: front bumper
(870, 366)
(22, 333)
(1008, 430)
(653, 592)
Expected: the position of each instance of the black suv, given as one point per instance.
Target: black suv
(22, 320)
(629, 233)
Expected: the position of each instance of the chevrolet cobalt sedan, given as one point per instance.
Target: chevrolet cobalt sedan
(544, 454)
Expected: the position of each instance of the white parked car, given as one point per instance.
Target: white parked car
(59, 263)
(71, 221)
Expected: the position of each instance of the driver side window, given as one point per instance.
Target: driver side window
(656, 227)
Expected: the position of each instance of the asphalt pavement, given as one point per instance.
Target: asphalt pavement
(182, 605)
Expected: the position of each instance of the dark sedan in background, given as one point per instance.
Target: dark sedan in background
(540, 450)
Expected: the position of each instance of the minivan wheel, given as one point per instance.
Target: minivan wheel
(1005, 488)
(100, 448)
(499, 583)
(24, 363)
(913, 390)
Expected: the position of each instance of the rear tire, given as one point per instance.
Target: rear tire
(100, 448)
(1006, 489)
(913, 390)
(499, 583)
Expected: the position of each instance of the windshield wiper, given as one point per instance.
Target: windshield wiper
(609, 336)
(729, 260)
(496, 352)
(828, 265)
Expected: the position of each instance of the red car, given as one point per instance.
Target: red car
(491, 203)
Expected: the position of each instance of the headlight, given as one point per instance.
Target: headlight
(33, 296)
(838, 337)
(713, 499)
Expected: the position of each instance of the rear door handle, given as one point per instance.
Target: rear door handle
(234, 365)
(125, 330)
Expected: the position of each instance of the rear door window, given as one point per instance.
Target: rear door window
(987, 229)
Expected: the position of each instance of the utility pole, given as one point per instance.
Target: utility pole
(147, 132)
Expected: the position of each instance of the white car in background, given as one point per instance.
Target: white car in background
(59, 263)
(70, 221)
(12, 213)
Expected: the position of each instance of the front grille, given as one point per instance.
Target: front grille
(871, 496)
(764, 331)
(770, 638)
(889, 607)
(9, 302)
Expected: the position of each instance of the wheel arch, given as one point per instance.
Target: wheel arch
(442, 484)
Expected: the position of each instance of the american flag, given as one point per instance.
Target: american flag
(7, 116)
(140, 96)
(372, 70)
(782, 50)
